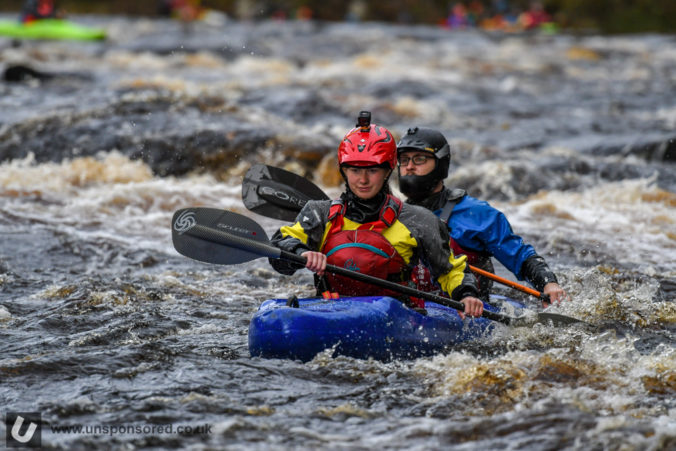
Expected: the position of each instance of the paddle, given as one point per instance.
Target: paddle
(510, 283)
(265, 191)
(238, 239)
(277, 193)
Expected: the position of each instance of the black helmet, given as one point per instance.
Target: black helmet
(424, 140)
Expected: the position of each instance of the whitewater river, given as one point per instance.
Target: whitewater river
(103, 323)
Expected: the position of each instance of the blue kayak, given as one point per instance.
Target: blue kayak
(378, 327)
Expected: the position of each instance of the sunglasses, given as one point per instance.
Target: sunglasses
(417, 160)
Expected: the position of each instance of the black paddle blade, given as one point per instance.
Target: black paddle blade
(557, 319)
(554, 319)
(194, 234)
(277, 193)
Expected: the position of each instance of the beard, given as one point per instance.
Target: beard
(418, 187)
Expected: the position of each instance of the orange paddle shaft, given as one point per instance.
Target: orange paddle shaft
(508, 282)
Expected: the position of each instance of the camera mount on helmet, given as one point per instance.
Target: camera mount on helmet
(364, 119)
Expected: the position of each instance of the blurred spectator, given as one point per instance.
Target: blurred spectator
(38, 9)
(184, 10)
(534, 17)
(356, 11)
(475, 13)
(458, 16)
(304, 13)
(499, 17)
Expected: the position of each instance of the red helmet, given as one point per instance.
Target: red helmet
(371, 145)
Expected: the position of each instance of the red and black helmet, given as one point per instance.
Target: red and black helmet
(368, 145)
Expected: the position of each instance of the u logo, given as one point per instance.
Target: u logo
(21, 436)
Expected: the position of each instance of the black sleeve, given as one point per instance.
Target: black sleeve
(536, 271)
(437, 251)
(310, 226)
(468, 287)
(290, 245)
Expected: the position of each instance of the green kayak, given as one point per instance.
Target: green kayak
(50, 29)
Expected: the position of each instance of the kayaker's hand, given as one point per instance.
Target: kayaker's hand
(473, 307)
(555, 292)
(316, 262)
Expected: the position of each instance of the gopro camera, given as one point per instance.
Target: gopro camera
(364, 119)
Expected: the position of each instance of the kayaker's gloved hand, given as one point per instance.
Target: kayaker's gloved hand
(316, 262)
(473, 307)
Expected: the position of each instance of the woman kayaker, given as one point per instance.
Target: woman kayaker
(477, 229)
(369, 230)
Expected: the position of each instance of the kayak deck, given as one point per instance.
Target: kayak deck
(362, 327)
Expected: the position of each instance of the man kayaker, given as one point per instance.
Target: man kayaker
(369, 230)
(38, 9)
(477, 230)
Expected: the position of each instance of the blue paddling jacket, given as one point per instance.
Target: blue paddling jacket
(480, 231)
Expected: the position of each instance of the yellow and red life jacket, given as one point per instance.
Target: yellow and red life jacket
(365, 250)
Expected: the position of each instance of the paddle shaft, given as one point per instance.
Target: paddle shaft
(266, 250)
(543, 297)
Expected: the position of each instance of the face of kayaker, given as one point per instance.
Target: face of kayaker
(366, 182)
(418, 181)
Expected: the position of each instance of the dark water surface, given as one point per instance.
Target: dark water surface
(102, 323)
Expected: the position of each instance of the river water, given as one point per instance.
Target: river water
(102, 323)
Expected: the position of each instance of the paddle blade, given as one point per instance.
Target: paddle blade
(277, 193)
(557, 319)
(553, 319)
(194, 232)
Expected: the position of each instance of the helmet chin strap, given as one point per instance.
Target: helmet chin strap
(387, 177)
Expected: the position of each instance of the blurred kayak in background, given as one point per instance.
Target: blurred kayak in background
(50, 29)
